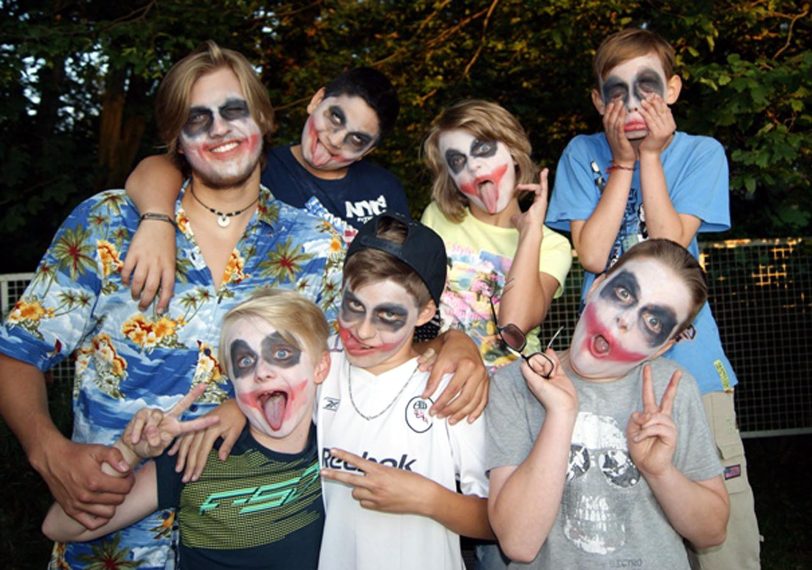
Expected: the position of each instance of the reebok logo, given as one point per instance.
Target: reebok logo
(330, 462)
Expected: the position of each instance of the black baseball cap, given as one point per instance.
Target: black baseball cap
(422, 250)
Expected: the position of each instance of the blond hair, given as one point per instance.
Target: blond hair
(628, 44)
(486, 121)
(172, 101)
(297, 319)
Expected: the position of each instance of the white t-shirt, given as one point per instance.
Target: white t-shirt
(399, 433)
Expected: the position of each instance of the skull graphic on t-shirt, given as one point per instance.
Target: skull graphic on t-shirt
(601, 483)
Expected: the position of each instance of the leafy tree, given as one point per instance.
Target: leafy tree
(78, 79)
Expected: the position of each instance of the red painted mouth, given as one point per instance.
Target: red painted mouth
(352, 345)
(635, 125)
(486, 187)
(601, 344)
(274, 404)
(357, 348)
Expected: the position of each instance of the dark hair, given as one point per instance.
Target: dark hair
(678, 259)
(374, 88)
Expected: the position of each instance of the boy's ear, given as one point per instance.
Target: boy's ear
(663, 349)
(426, 313)
(673, 88)
(318, 97)
(597, 100)
(322, 368)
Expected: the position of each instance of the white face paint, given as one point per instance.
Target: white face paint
(631, 315)
(376, 325)
(482, 170)
(632, 82)
(274, 380)
(339, 131)
(220, 139)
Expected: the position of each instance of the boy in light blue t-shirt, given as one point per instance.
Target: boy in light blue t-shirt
(642, 178)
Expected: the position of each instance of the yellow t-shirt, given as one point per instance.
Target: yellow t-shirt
(480, 256)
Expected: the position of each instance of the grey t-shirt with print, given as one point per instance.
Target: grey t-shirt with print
(609, 517)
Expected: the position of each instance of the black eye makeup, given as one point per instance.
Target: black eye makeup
(657, 322)
(336, 115)
(243, 359)
(390, 316)
(483, 149)
(351, 308)
(455, 160)
(646, 82)
(358, 141)
(279, 352)
(623, 289)
(387, 316)
(201, 119)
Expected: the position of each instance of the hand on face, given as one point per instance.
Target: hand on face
(614, 123)
(340, 130)
(482, 170)
(660, 123)
(652, 434)
(631, 84)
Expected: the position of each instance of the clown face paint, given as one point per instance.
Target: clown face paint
(339, 131)
(632, 82)
(482, 170)
(376, 324)
(273, 381)
(628, 319)
(220, 138)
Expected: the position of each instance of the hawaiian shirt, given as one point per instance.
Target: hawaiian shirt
(127, 359)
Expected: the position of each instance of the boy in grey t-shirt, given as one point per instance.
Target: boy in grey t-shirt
(603, 458)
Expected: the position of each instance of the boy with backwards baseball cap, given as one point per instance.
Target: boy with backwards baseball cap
(389, 469)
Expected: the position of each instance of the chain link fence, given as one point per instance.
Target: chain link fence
(761, 296)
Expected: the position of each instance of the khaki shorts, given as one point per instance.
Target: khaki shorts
(741, 548)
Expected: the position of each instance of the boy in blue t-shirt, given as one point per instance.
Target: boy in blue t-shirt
(642, 178)
(262, 507)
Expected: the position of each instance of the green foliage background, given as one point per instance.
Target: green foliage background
(77, 80)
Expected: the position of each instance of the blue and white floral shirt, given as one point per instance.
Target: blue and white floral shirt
(127, 359)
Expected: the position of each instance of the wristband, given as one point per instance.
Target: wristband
(612, 167)
(159, 217)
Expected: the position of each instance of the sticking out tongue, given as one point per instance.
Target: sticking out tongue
(600, 345)
(489, 194)
(275, 409)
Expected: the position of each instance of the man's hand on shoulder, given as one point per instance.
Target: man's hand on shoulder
(467, 393)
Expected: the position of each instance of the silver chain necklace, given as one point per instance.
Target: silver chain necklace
(389, 405)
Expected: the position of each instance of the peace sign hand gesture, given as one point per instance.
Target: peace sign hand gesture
(380, 487)
(652, 434)
(151, 430)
